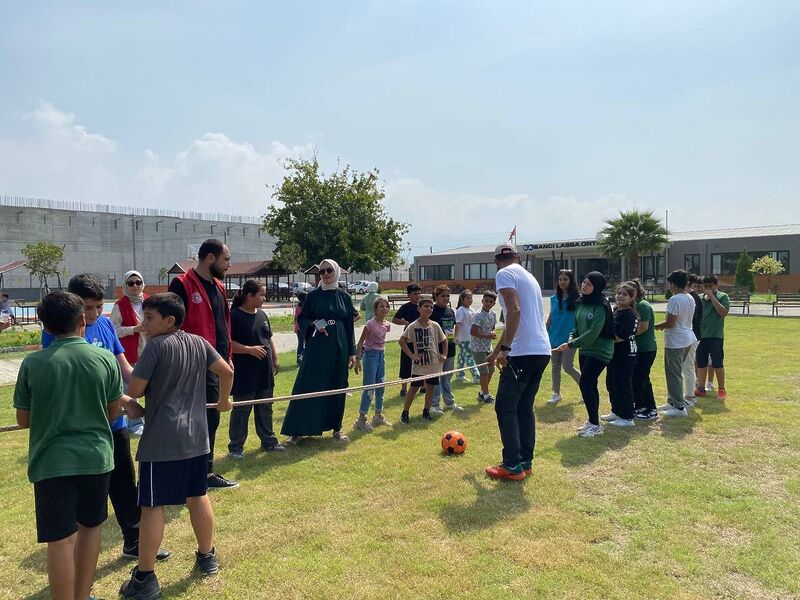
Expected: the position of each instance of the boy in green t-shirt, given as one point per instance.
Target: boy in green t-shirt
(716, 306)
(67, 394)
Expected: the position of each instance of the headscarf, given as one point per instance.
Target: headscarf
(336, 271)
(597, 298)
(134, 298)
(372, 286)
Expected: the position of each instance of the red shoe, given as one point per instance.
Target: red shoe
(700, 393)
(528, 472)
(721, 394)
(500, 472)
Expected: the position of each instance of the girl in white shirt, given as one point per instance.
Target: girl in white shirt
(463, 336)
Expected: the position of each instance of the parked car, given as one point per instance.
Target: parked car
(361, 286)
(277, 287)
(301, 286)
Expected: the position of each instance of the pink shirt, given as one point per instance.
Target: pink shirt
(376, 334)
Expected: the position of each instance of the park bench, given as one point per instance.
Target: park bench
(740, 298)
(785, 300)
(402, 298)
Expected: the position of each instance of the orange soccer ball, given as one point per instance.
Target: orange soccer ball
(454, 442)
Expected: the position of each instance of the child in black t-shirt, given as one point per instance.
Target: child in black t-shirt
(619, 373)
(255, 363)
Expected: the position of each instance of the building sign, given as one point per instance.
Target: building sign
(564, 244)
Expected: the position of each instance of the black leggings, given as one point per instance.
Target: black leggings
(619, 383)
(591, 368)
(643, 397)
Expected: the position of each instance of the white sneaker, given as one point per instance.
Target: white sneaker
(435, 410)
(664, 407)
(554, 399)
(582, 427)
(454, 407)
(622, 423)
(675, 412)
(591, 431)
(710, 387)
(609, 417)
(690, 401)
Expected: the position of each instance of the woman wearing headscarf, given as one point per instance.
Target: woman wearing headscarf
(593, 335)
(126, 315)
(326, 325)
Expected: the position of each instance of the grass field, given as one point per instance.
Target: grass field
(704, 507)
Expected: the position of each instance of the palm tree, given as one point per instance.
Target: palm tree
(631, 235)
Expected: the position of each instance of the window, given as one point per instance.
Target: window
(435, 272)
(610, 268)
(480, 271)
(691, 262)
(654, 269)
(725, 262)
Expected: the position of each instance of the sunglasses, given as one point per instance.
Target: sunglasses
(326, 270)
(133, 283)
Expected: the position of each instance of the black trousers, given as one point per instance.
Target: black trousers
(212, 415)
(122, 488)
(519, 382)
(591, 368)
(240, 421)
(619, 383)
(642, 386)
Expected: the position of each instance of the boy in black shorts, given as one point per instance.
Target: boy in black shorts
(67, 394)
(716, 306)
(407, 314)
(427, 356)
(173, 451)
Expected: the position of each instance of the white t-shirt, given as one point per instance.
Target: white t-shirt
(681, 335)
(464, 319)
(531, 336)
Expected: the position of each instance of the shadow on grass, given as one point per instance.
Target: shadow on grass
(712, 407)
(494, 501)
(254, 464)
(577, 451)
(679, 427)
(556, 414)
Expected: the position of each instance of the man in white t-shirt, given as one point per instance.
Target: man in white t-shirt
(678, 340)
(522, 353)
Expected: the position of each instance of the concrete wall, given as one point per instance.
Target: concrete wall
(103, 242)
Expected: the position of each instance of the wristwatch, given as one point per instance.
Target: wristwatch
(504, 348)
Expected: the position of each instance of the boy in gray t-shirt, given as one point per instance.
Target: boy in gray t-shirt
(173, 452)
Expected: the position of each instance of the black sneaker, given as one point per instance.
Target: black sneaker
(645, 414)
(207, 564)
(426, 414)
(402, 393)
(274, 448)
(218, 482)
(404, 417)
(145, 589)
(132, 552)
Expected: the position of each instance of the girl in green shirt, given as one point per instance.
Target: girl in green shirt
(594, 337)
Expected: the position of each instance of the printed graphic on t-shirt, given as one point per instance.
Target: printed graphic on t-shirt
(423, 344)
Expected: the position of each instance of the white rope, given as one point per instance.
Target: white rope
(321, 393)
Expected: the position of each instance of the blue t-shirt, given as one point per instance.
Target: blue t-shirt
(562, 322)
(101, 333)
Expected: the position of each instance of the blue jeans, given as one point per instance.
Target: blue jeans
(444, 387)
(374, 371)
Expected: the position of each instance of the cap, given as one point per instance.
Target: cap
(505, 249)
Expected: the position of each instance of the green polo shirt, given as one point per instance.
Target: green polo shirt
(67, 388)
(713, 324)
(589, 321)
(646, 342)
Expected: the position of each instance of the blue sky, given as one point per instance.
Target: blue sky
(551, 116)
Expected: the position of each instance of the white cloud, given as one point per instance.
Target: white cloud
(445, 220)
(60, 159)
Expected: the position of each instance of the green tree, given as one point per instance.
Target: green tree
(290, 256)
(43, 259)
(162, 273)
(339, 216)
(766, 265)
(631, 235)
(744, 277)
